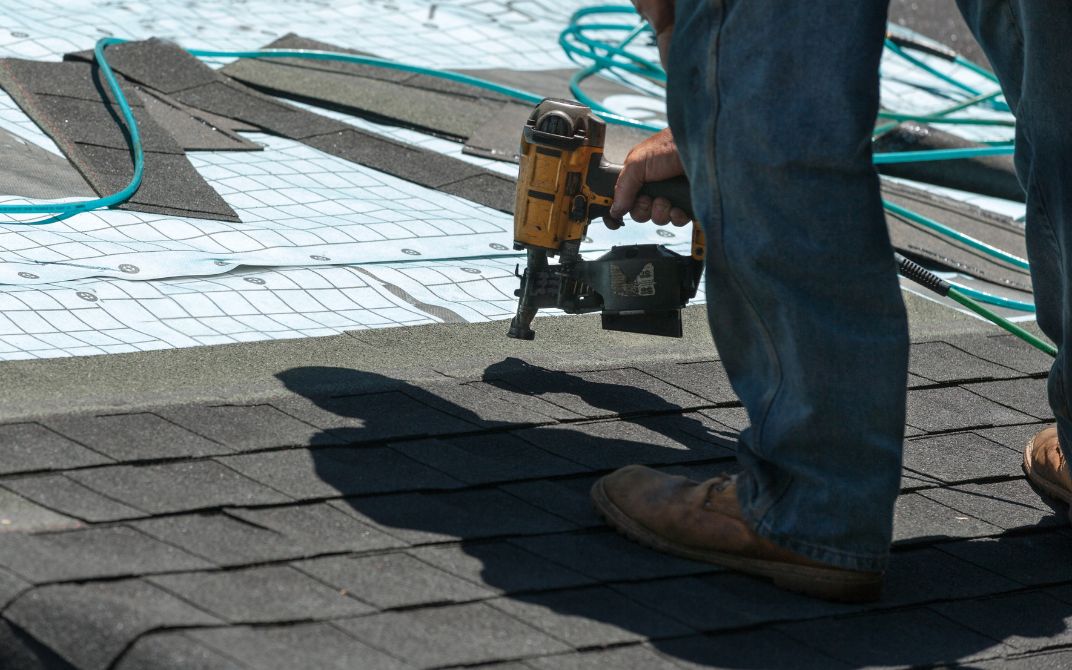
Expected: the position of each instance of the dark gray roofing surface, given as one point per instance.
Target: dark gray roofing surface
(350, 518)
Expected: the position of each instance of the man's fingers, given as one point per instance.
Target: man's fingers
(679, 217)
(641, 211)
(660, 211)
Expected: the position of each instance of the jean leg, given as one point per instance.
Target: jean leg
(1027, 42)
(772, 104)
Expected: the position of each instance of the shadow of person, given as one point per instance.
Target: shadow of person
(509, 516)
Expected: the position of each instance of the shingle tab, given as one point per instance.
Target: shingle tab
(331, 472)
(91, 624)
(242, 428)
(176, 487)
(392, 580)
(500, 566)
(90, 553)
(25, 447)
(910, 637)
(609, 557)
(481, 459)
(315, 645)
(453, 635)
(134, 437)
(423, 518)
(953, 408)
(63, 494)
(917, 519)
(959, 457)
(261, 595)
(588, 617)
(1024, 395)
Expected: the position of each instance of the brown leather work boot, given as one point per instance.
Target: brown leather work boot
(1046, 467)
(702, 521)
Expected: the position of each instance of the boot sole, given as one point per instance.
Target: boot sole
(826, 583)
(1042, 484)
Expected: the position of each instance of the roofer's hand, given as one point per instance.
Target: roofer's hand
(654, 159)
(660, 15)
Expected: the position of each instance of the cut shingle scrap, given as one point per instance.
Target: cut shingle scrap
(65, 99)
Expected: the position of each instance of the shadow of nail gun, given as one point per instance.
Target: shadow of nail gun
(564, 182)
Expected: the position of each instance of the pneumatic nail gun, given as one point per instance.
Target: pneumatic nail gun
(564, 182)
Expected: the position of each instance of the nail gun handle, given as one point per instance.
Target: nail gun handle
(602, 179)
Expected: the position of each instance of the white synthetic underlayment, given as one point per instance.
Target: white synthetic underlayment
(324, 245)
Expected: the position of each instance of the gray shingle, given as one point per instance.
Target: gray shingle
(173, 650)
(1030, 559)
(69, 497)
(1008, 505)
(1025, 395)
(176, 487)
(90, 553)
(134, 437)
(1048, 622)
(242, 428)
(373, 417)
(567, 498)
(942, 362)
(953, 408)
(453, 635)
(917, 519)
(19, 514)
(222, 539)
(423, 518)
(480, 459)
(608, 556)
(331, 472)
(392, 580)
(588, 617)
(634, 657)
(600, 393)
(261, 595)
(25, 447)
(1006, 350)
(909, 637)
(315, 645)
(91, 624)
(707, 379)
(606, 445)
(959, 457)
(500, 566)
(318, 526)
(751, 649)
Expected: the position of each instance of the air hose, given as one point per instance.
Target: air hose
(924, 277)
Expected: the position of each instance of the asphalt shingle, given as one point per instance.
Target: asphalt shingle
(25, 447)
(907, 637)
(392, 580)
(91, 624)
(244, 428)
(953, 408)
(176, 487)
(261, 595)
(493, 457)
(90, 553)
(588, 617)
(65, 495)
(500, 566)
(452, 635)
(134, 437)
(331, 472)
(315, 645)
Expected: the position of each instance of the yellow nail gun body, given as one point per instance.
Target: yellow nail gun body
(564, 182)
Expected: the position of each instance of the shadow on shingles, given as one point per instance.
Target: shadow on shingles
(744, 601)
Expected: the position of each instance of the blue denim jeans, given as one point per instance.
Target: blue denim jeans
(772, 105)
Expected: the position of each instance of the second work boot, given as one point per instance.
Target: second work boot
(703, 521)
(1046, 467)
